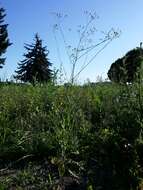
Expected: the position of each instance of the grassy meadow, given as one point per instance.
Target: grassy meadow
(71, 137)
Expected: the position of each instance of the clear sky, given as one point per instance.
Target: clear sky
(27, 17)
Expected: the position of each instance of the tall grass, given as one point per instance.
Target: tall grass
(90, 133)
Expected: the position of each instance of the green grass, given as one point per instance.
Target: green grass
(90, 133)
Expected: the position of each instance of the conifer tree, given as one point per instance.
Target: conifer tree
(35, 66)
(4, 41)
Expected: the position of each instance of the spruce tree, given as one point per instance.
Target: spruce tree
(4, 41)
(35, 66)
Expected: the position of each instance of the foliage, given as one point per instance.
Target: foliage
(4, 41)
(35, 66)
(72, 137)
(125, 69)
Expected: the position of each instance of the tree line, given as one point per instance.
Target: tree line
(35, 67)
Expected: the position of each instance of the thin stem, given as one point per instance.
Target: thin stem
(59, 55)
(77, 50)
(92, 58)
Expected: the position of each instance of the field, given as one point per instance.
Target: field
(71, 137)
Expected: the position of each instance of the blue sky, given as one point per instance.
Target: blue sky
(25, 18)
